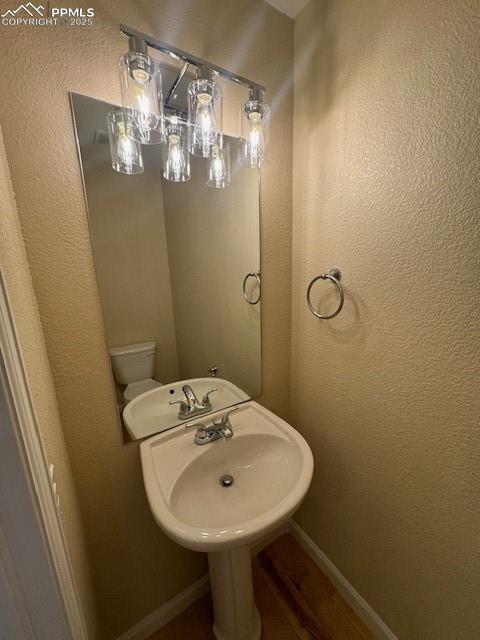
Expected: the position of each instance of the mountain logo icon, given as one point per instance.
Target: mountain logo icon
(29, 8)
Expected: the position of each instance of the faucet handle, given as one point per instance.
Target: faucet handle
(206, 397)
(226, 416)
(199, 426)
(183, 405)
(202, 433)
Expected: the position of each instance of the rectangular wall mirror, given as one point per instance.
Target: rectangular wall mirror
(178, 270)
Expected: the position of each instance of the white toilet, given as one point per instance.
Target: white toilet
(133, 365)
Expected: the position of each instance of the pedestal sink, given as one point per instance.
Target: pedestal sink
(221, 497)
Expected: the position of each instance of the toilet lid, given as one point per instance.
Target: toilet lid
(134, 389)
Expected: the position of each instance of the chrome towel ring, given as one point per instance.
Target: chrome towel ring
(334, 276)
(252, 274)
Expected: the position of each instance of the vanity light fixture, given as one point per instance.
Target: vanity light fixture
(141, 88)
(197, 130)
(255, 119)
(205, 112)
(176, 157)
(125, 152)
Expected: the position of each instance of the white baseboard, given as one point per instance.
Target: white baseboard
(354, 599)
(171, 609)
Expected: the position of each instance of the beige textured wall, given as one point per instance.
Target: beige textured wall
(213, 241)
(386, 168)
(131, 257)
(18, 283)
(135, 567)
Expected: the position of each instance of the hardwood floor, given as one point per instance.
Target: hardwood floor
(295, 599)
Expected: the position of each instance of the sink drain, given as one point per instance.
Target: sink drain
(226, 480)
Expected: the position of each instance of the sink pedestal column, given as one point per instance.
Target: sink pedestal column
(236, 616)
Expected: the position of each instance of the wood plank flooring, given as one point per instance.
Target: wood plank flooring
(295, 599)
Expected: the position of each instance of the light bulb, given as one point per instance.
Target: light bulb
(218, 172)
(205, 121)
(126, 153)
(176, 159)
(204, 115)
(142, 101)
(126, 148)
(141, 86)
(217, 166)
(255, 139)
(254, 122)
(143, 112)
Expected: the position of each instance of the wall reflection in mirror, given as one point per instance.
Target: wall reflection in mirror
(178, 270)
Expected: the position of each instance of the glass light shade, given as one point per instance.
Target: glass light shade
(176, 157)
(255, 119)
(126, 153)
(141, 88)
(205, 116)
(218, 166)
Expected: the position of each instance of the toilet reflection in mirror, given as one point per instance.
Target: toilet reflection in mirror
(134, 367)
(171, 260)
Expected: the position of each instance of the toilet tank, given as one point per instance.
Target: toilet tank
(133, 362)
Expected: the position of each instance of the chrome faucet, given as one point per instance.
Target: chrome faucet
(218, 429)
(192, 406)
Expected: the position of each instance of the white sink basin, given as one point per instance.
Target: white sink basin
(151, 412)
(271, 465)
